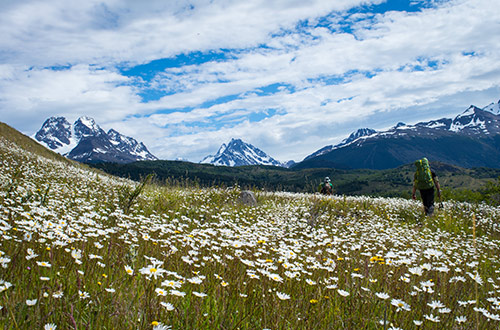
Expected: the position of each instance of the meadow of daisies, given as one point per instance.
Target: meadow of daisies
(83, 250)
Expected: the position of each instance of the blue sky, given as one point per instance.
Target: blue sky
(288, 76)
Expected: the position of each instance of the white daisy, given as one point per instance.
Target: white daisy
(282, 296)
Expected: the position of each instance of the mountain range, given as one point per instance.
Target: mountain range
(85, 141)
(471, 139)
(390, 182)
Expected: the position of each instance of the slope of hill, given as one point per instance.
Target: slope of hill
(28, 143)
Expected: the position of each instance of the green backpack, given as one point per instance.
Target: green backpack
(423, 175)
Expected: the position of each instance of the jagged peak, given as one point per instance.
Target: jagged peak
(87, 121)
(87, 126)
(53, 123)
(473, 113)
(56, 119)
(361, 132)
(113, 132)
(237, 153)
(55, 133)
(236, 141)
(117, 136)
(222, 148)
(470, 110)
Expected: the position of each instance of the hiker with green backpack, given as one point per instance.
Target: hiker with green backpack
(326, 187)
(426, 182)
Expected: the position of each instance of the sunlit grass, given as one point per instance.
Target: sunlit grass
(78, 252)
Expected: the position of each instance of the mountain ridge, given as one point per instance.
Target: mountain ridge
(470, 139)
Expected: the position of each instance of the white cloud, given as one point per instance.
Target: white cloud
(387, 63)
(31, 93)
(48, 32)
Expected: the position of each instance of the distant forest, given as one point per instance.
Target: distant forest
(458, 183)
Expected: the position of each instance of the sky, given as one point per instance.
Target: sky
(287, 76)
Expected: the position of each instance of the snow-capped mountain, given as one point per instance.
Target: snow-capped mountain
(472, 138)
(86, 141)
(239, 153)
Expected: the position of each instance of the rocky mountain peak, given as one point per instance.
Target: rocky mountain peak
(86, 141)
(476, 121)
(114, 134)
(86, 126)
(55, 132)
(356, 135)
(239, 153)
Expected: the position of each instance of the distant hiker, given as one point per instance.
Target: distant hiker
(425, 180)
(326, 187)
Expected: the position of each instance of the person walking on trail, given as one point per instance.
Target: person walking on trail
(326, 187)
(426, 181)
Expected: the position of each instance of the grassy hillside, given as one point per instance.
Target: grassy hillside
(27, 143)
(84, 250)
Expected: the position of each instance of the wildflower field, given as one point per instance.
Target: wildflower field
(84, 250)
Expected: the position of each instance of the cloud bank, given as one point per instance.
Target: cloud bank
(286, 76)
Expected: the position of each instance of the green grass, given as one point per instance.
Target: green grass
(333, 256)
(28, 144)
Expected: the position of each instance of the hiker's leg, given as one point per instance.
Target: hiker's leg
(430, 203)
(428, 200)
(424, 200)
(431, 206)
